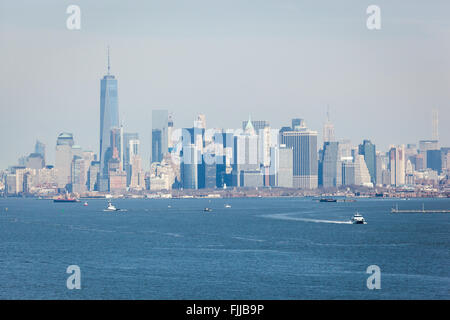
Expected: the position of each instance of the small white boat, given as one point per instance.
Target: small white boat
(227, 206)
(85, 204)
(111, 207)
(358, 219)
(207, 210)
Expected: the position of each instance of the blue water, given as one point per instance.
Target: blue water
(258, 249)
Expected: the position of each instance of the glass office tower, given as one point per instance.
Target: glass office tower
(305, 163)
(109, 116)
(330, 165)
(160, 121)
(368, 150)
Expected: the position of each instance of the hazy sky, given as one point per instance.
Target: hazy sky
(274, 59)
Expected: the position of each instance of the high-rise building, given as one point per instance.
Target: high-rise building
(435, 124)
(381, 163)
(160, 138)
(368, 150)
(283, 163)
(348, 172)
(78, 175)
(117, 181)
(267, 140)
(304, 144)
(93, 175)
(257, 125)
(397, 165)
(170, 132)
(246, 157)
(131, 146)
(137, 173)
(63, 158)
(345, 148)
(298, 124)
(114, 153)
(362, 175)
(35, 161)
(189, 166)
(424, 146)
(434, 160)
(109, 116)
(330, 165)
(409, 174)
(446, 160)
(200, 121)
(328, 129)
(40, 149)
(207, 172)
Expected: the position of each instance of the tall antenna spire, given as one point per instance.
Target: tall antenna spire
(109, 66)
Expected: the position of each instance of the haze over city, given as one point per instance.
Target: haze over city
(276, 61)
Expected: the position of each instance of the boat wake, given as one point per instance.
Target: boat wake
(284, 216)
(248, 239)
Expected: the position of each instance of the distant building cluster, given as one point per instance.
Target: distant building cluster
(253, 156)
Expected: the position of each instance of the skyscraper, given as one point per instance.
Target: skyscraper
(35, 161)
(78, 174)
(362, 175)
(348, 172)
(92, 176)
(330, 165)
(368, 150)
(160, 142)
(257, 124)
(40, 149)
(397, 165)
(170, 132)
(328, 129)
(283, 164)
(63, 158)
(434, 160)
(131, 148)
(109, 116)
(297, 123)
(189, 166)
(424, 146)
(304, 144)
(381, 166)
(246, 158)
(435, 124)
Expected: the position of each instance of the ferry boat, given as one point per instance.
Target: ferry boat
(358, 219)
(327, 200)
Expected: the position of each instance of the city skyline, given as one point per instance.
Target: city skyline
(389, 90)
(229, 156)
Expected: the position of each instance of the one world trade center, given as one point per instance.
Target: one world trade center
(109, 118)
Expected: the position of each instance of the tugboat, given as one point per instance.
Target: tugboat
(358, 219)
(207, 210)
